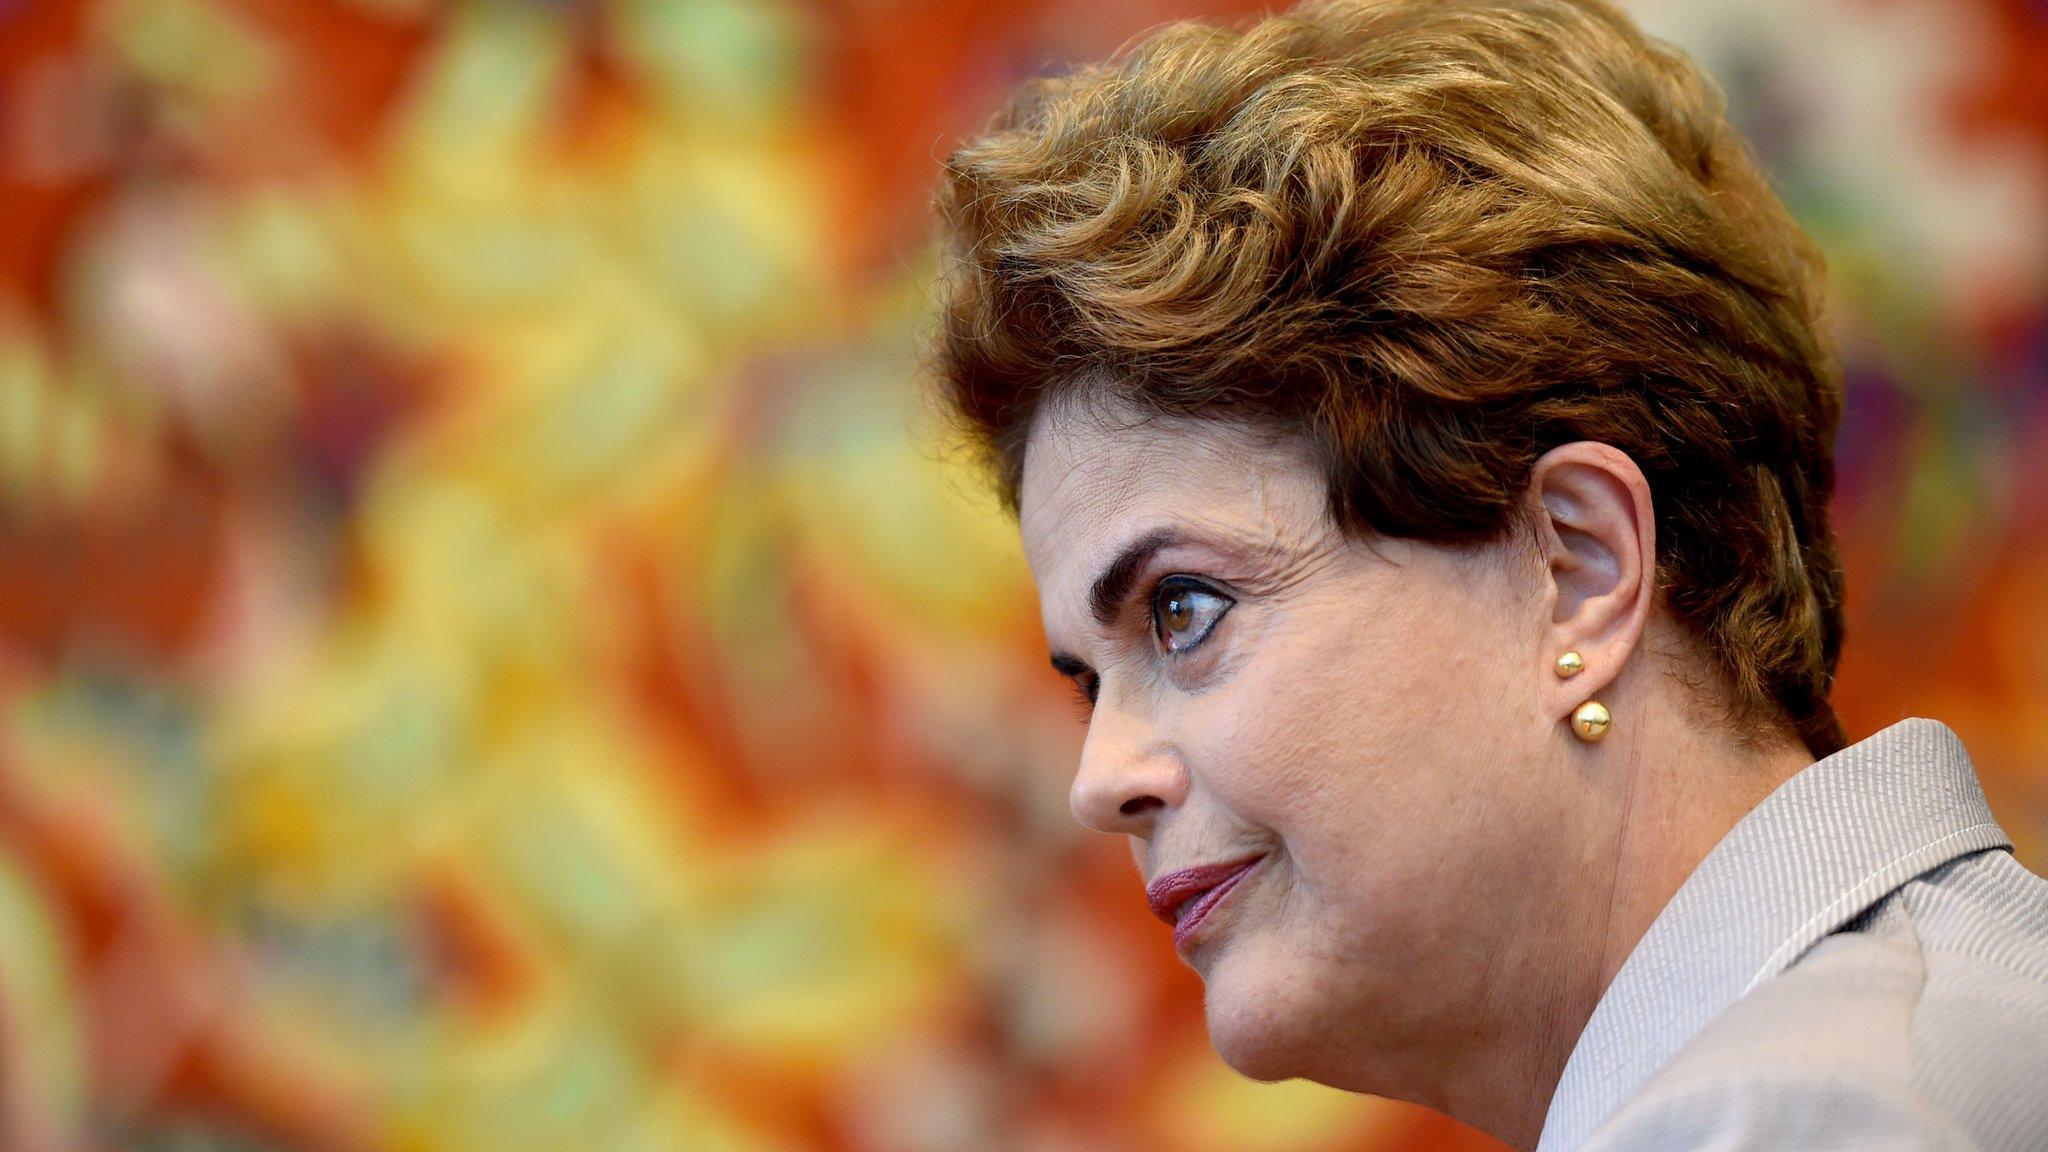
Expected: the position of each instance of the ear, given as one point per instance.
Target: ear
(1598, 534)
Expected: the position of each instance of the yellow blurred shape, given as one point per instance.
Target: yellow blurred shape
(1204, 1106)
(41, 1043)
(717, 58)
(25, 406)
(825, 943)
(681, 1118)
(189, 44)
(903, 519)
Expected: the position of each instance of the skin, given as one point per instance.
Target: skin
(1451, 877)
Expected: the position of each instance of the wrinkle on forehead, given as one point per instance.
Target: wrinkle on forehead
(1099, 469)
(1093, 423)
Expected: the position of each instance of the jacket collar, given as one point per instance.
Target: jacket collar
(1834, 839)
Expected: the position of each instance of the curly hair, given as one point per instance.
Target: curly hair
(1437, 238)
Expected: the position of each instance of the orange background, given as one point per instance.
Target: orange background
(490, 661)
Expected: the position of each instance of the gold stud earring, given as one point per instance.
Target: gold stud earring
(1570, 664)
(1591, 721)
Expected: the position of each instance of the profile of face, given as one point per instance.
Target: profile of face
(1378, 724)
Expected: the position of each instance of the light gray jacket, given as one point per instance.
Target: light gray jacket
(1860, 963)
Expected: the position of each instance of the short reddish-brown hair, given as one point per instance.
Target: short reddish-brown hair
(1437, 237)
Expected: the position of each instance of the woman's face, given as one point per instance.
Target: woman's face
(1363, 719)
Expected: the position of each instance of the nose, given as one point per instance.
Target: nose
(1128, 776)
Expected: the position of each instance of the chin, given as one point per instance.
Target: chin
(1254, 1024)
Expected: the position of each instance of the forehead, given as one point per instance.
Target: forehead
(1099, 473)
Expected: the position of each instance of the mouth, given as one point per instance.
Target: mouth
(1185, 898)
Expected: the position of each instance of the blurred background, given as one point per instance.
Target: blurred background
(492, 660)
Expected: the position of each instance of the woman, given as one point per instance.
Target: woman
(1420, 430)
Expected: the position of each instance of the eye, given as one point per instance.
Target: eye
(1184, 610)
(1085, 688)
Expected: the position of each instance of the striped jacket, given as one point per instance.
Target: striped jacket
(1860, 963)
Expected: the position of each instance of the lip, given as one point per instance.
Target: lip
(1207, 884)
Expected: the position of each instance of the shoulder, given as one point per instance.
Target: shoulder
(1980, 1027)
(1985, 917)
(1922, 1024)
(1798, 1110)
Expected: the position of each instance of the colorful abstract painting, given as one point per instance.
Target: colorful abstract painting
(495, 658)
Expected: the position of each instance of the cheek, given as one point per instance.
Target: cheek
(1305, 720)
(1370, 749)
(1295, 744)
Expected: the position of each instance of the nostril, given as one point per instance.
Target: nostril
(1137, 804)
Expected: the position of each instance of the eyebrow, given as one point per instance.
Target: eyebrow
(1114, 584)
(1110, 588)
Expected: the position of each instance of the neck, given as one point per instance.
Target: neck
(1669, 790)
